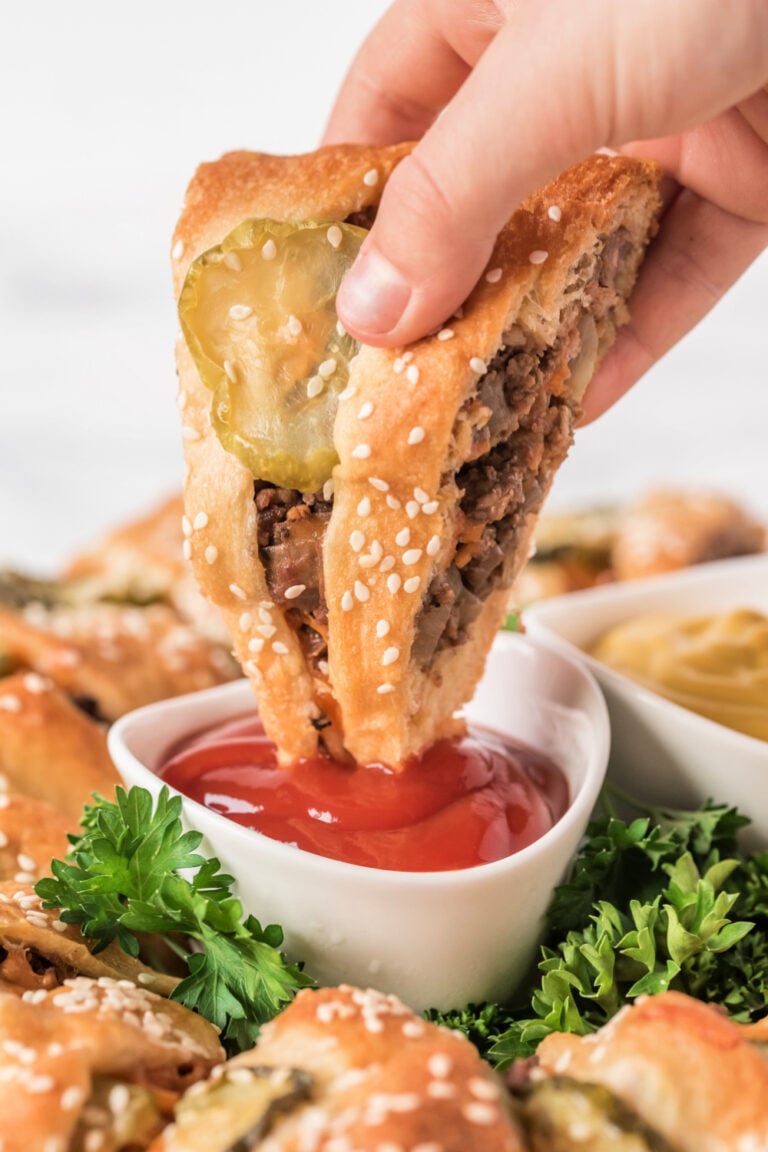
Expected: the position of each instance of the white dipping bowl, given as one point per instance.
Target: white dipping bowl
(436, 939)
(661, 753)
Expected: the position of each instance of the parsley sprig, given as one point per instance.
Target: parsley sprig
(665, 900)
(123, 876)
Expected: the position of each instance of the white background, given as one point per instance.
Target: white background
(105, 110)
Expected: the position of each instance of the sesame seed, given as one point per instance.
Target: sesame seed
(211, 554)
(416, 435)
(364, 507)
(334, 235)
(178, 250)
(240, 311)
(27, 863)
(412, 373)
(483, 1089)
(477, 364)
(186, 527)
(412, 556)
(356, 540)
(412, 509)
(441, 1090)
(393, 503)
(279, 648)
(493, 276)
(479, 1113)
(403, 537)
(361, 592)
(393, 582)
(71, 1098)
(420, 495)
(382, 628)
(365, 410)
(328, 367)
(412, 583)
(35, 683)
(323, 667)
(200, 521)
(376, 550)
(315, 385)
(413, 1029)
(385, 689)
(230, 371)
(398, 365)
(328, 490)
(266, 630)
(233, 262)
(371, 178)
(362, 452)
(439, 1065)
(445, 334)
(186, 550)
(407, 357)
(379, 485)
(181, 400)
(3, 840)
(367, 561)
(387, 564)
(294, 591)
(237, 591)
(433, 547)
(538, 256)
(265, 613)
(269, 250)
(347, 602)
(9, 703)
(430, 507)
(390, 656)
(348, 392)
(555, 213)
(294, 325)
(340, 329)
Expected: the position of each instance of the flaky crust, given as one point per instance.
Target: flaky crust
(382, 1078)
(386, 707)
(688, 1071)
(669, 529)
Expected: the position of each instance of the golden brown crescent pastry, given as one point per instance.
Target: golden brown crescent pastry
(38, 950)
(49, 749)
(95, 1064)
(142, 561)
(111, 657)
(668, 529)
(365, 607)
(687, 1072)
(32, 833)
(343, 1068)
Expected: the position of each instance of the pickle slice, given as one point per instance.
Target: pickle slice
(258, 312)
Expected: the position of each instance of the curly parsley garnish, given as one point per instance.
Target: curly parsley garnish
(123, 876)
(662, 901)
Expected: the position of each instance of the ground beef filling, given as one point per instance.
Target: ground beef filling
(521, 431)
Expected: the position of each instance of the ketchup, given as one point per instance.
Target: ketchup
(465, 801)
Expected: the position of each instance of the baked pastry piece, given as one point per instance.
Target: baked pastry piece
(32, 833)
(668, 529)
(343, 1068)
(364, 609)
(95, 1064)
(111, 658)
(676, 1069)
(39, 951)
(141, 562)
(50, 749)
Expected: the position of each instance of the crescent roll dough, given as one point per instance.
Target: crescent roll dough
(446, 452)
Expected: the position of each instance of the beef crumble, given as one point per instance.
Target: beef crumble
(521, 429)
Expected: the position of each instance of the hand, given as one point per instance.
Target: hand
(503, 96)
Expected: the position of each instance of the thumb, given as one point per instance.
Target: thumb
(555, 83)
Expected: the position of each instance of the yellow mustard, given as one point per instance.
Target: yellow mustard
(716, 666)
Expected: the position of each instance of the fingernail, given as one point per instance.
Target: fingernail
(373, 295)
